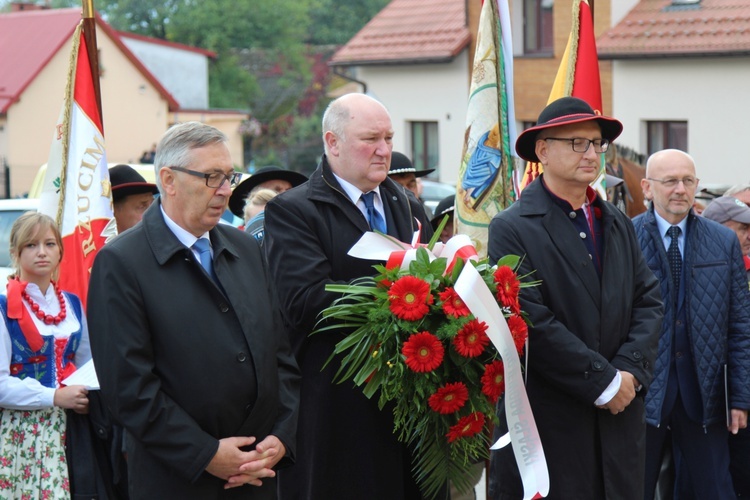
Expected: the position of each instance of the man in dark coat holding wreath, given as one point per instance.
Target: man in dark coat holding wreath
(595, 316)
(345, 445)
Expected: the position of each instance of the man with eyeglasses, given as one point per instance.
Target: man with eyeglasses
(701, 383)
(594, 317)
(188, 339)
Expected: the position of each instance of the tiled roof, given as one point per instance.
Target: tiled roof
(409, 31)
(661, 28)
(30, 38)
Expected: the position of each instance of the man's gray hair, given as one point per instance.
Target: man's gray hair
(174, 149)
(335, 119)
(736, 189)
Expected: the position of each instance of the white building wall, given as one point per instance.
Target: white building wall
(620, 8)
(709, 93)
(183, 73)
(425, 92)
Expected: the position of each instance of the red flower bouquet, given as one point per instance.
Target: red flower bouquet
(412, 341)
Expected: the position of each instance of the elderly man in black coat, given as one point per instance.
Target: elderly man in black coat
(346, 446)
(595, 316)
(187, 337)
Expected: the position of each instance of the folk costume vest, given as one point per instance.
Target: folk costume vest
(54, 361)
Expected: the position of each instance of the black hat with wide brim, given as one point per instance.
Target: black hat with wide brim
(564, 111)
(446, 206)
(125, 181)
(401, 164)
(237, 200)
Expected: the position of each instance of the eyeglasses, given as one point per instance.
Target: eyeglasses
(581, 145)
(214, 179)
(688, 182)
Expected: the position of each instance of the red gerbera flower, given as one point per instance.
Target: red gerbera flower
(423, 351)
(449, 398)
(471, 340)
(466, 427)
(493, 381)
(452, 304)
(410, 298)
(519, 330)
(507, 288)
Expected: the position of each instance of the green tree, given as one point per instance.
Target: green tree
(337, 21)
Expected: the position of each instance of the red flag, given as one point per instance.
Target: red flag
(76, 190)
(578, 74)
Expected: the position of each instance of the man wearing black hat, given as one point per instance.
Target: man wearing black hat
(446, 207)
(131, 196)
(273, 178)
(402, 171)
(595, 315)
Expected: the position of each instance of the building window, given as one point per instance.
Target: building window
(537, 27)
(424, 144)
(667, 135)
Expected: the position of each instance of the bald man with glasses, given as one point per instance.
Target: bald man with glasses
(189, 346)
(701, 386)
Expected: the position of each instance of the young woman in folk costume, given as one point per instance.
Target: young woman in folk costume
(43, 338)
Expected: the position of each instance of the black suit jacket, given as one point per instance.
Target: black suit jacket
(347, 448)
(182, 362)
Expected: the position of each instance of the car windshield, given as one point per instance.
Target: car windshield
(7, 218)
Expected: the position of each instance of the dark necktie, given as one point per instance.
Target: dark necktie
(675, 259)
(203, 248)
(373, 216)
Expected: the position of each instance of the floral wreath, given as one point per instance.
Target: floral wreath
(412, 341)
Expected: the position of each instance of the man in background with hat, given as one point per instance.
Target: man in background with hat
(701, 383)
(403, 172)
(273, 178)
(131, 196)
(595, 314)
(734, 214)
(447, 206)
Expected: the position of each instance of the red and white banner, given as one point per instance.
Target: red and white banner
(76, 190)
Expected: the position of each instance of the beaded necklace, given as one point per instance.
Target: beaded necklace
(47, 318)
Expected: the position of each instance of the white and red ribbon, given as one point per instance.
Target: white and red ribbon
(376, 246)
(522, 430)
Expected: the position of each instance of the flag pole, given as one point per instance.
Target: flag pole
(89, 36)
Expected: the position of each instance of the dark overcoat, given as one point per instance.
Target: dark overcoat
(183, 363)
(346, 447)
(584, 330)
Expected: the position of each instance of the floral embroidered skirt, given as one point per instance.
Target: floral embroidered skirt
(32, 454)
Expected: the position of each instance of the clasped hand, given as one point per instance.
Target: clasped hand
(624, 396)
(239, 467)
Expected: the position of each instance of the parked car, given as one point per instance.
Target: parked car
(433, 192)
(10, 210)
